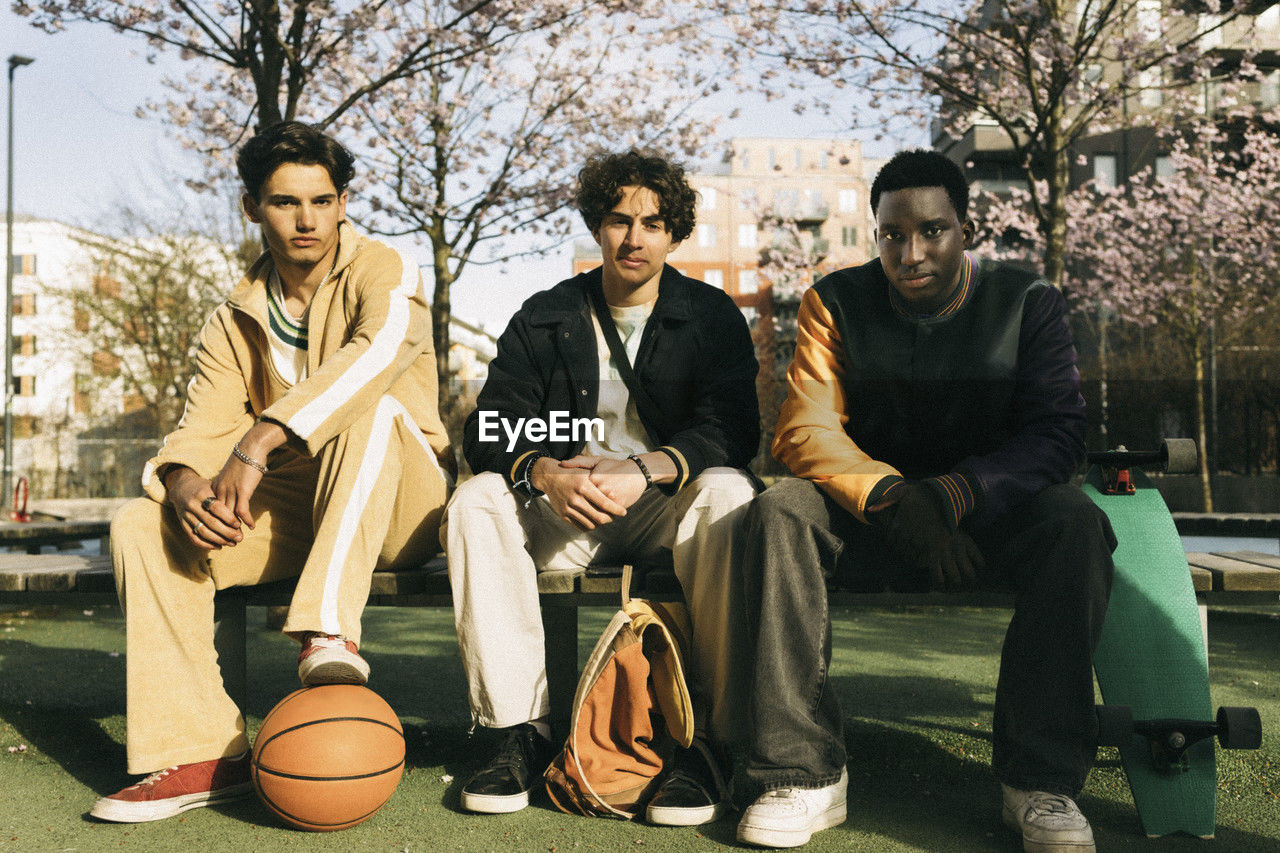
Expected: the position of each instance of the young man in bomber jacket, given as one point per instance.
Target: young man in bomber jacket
(657, 474)
(310, 447)
(933, 419)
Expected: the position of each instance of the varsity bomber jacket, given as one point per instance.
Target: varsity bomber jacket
(369, 335)
(981, 400)
(696, 360)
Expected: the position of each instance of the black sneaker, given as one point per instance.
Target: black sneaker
(694, 793)
(503, 785)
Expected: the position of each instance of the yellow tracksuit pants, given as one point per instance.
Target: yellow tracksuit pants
(371, 498)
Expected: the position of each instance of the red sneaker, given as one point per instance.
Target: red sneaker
(174, 790)
(330, 660)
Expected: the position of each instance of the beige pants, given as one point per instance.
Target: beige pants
(373, 497)
(496, 546)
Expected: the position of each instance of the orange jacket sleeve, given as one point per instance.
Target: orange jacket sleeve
(810, 438)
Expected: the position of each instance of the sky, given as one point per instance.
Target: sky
(80, 150)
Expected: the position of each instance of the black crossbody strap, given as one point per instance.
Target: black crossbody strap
(650, 413)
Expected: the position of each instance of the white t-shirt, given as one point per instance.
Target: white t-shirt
(624, 434)
(287, 335)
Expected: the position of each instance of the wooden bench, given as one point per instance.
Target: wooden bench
(1241, 577)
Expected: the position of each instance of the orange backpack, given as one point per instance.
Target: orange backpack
(630, 710)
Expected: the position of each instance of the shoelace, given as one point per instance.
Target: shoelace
(328, 642)
(157, 776)
(1051, 804)
(513, 753)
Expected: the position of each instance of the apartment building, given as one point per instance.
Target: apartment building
(1111, 156)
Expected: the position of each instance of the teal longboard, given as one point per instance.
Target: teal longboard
(1151, 662)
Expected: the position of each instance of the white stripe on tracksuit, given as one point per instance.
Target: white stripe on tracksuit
(381, 352)
(371, 464)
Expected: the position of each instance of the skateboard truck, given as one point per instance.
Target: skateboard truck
(1175, 456)
(1169, 739)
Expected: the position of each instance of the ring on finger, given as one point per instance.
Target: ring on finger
(207, 502)
(196, 529)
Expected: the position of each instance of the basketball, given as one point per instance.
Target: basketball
(328, 757)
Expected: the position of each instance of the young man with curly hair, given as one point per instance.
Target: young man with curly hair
(656, 476)
(310, 447)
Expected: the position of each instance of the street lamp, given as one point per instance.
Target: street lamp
(14, 61)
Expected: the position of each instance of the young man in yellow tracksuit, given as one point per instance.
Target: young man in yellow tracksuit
(310, 447)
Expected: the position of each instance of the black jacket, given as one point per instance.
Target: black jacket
(696, 360)
(986, 393)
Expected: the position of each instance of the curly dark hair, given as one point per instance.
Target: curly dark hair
(601, 181)
(292, 142)
(920, 167)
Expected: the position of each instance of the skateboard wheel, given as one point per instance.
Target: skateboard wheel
(1115, 724)
(1239, 728)
(1181, 455)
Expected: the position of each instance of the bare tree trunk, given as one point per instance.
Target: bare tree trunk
(441, 313)
(1206, 486)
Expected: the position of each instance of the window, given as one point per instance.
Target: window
(105, 363)
(708, 198)
(1269, 19)
(773, 159)
(24, 304)
(848, 201)
(1164, 167)
(747, 281)
(799, 161)
(714, 277)
(24, 345)
(747, 235)
(24, 386)
(746, 199)
(24, 264)
(1211, 31)
(1149, 23)
(83, 387)
(1152, 95)
(823, 159)
(1269, 87)
(751, 315)
(848, 235)
(1104, 170)
(706, 236)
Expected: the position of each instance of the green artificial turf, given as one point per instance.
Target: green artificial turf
(917, 686)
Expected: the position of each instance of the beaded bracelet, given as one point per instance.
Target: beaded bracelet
(247, 459)
(644, 469)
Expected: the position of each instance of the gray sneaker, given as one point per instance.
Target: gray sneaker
(788, 817)
(1048, 823)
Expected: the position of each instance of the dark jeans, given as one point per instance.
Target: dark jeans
(1054, 552)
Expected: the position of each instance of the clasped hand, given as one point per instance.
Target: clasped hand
(917, 532)
(589, 491)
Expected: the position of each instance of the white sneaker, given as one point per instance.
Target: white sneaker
(1048, 823)
(330, 659)
(788, 817)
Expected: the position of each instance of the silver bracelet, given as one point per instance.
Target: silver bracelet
(247, 459)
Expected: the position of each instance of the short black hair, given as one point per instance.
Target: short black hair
(920, 167)
(292, 142)
(601, 181)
